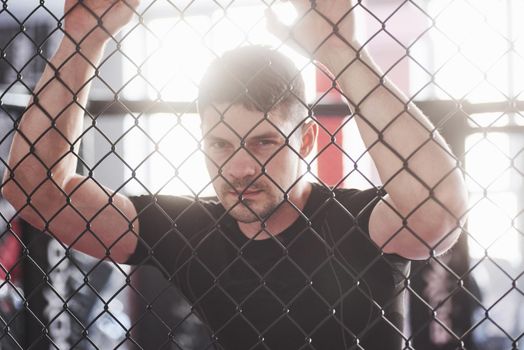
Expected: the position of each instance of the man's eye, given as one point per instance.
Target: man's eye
(217, 145)
(266, 142)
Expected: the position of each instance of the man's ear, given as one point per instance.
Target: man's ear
(309, 138)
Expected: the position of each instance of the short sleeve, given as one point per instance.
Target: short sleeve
(142, 249)
(353, 207)
(167, 227)
(361, 205)
(357, 206)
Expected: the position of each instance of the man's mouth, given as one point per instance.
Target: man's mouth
(245, 194)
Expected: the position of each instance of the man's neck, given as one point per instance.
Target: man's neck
(282, 218)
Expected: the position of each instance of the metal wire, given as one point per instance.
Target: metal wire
(200, 283)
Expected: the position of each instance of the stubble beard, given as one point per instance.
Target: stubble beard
(248, 210)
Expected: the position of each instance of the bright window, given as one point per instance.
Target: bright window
(177, 51)
(474, 51)
(165, 151)
(493, 182)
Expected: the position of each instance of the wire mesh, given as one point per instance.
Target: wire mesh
(268, 248)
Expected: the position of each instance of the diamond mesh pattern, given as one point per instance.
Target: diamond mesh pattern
(113, 116)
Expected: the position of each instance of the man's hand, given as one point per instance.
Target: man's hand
(323, 27)
(97, 20)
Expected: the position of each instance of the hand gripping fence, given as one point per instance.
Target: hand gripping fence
(140, 225)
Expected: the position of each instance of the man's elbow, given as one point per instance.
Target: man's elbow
(453, 219)
(447, 219)
(441, 234)
(446, 242)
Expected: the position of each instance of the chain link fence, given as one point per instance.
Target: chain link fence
(261, 174)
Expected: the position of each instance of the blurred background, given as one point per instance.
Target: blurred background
(461, 62)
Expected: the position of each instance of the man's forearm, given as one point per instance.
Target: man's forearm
(416, 166)
(43, 151)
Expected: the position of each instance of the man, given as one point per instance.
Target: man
(274, 262)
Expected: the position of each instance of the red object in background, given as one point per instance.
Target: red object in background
(10, 253)
(329, 144)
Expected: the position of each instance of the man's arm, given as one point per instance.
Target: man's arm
(426, 201)
(41, 182)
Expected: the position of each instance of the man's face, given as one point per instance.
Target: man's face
(251, 163)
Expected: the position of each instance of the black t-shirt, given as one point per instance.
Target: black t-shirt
(320, 284)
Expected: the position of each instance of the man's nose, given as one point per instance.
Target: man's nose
(241, 165)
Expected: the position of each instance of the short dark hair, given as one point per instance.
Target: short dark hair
(257, 77)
